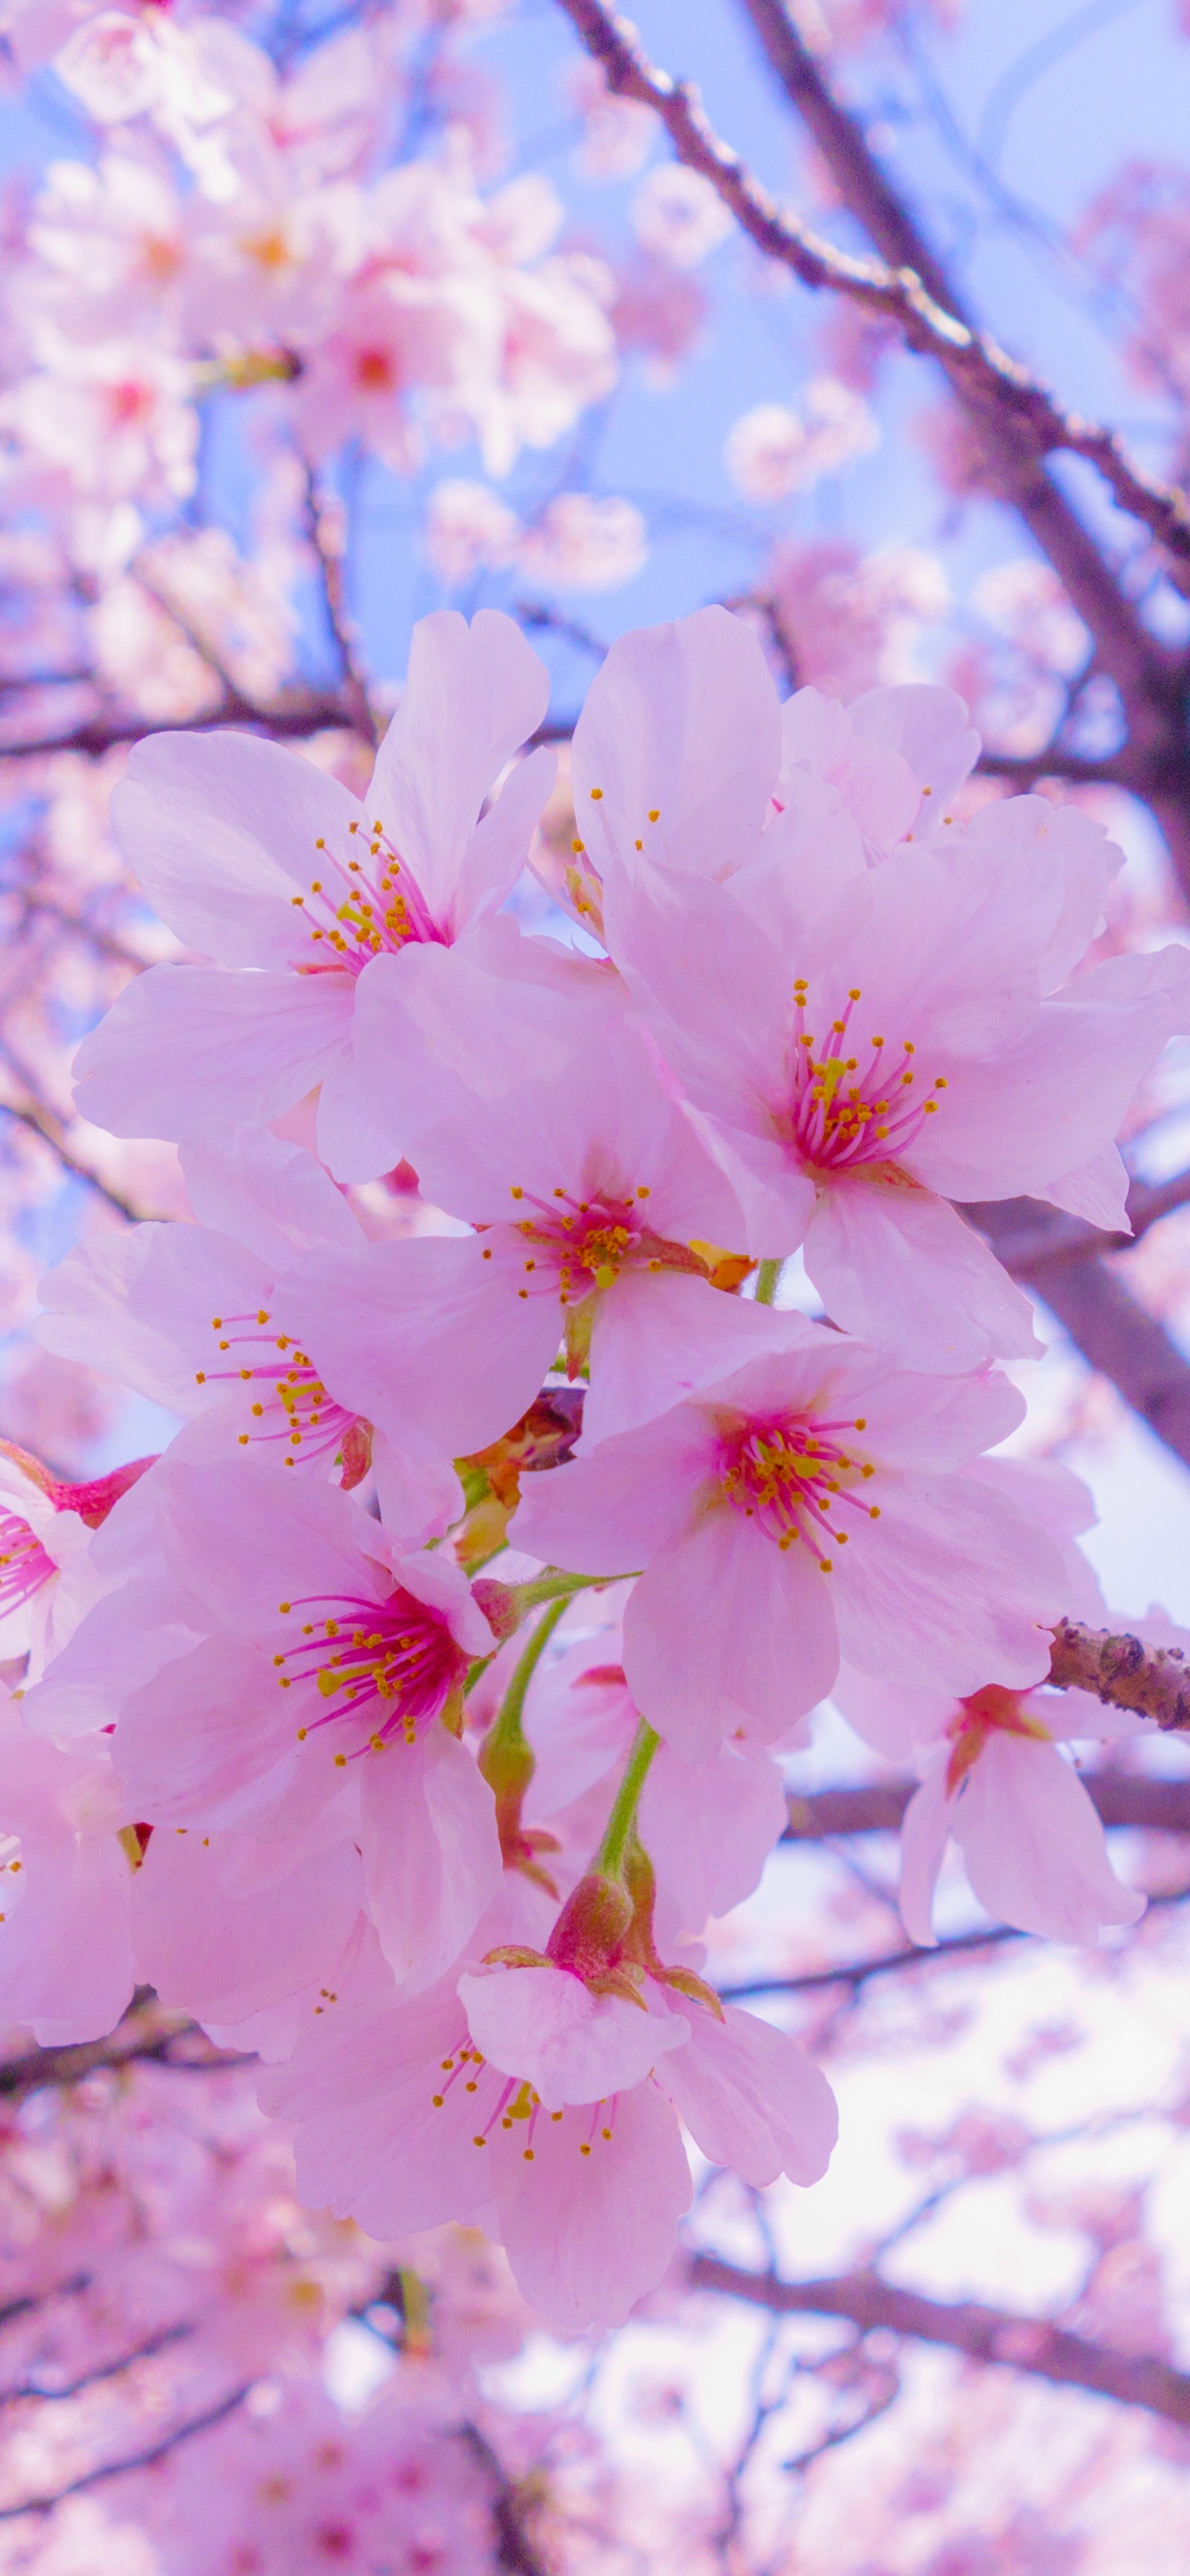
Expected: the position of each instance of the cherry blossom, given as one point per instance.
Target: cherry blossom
(558, 2108)
(590, 1194)
(732, 1504)
(220, 830)
(276, 1718)
(189, 1316)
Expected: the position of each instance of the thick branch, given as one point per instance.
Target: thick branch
(1015, 419)
(1111, 1328)
(877, 1806)
(1030, 2344)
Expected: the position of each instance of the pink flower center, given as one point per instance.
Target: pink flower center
(502, 2106)
(578, 1245)
(289, 1403)
(24, 1563)
(395, 1659)
(355, 912)
(792, 1478)
(843, 1111)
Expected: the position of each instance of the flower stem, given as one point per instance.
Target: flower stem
(506, 1732)
(621, 1824)
(767, 1277)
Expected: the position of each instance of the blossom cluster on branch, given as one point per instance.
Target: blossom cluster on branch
(293, 1746)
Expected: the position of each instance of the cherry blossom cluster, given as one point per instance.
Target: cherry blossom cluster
(170, 2317)
(584, 1372)
(233, 231)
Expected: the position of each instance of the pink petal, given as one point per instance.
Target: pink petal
(897, 1266)
(427, 1338)
(683, 719)
(1033, 1845)
(431, 1852)
(183, 1046)
(472, 695)
(546, 2028)
(219, 828)
(752, 2099)
(587, 2236)
(725, 1629)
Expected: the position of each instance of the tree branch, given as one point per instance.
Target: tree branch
(1127, 1798)
(1123, 1672)
(148, 2031)
(1111, 1328)
(1029, 2344)
(908, 288)
(146, 2459)
(297, 713)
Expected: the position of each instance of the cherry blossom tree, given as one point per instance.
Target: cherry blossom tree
(595, 1398)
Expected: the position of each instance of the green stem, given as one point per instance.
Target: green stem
(506, 1730)
(621, 1824)
(767, 1277)
(554, 1585)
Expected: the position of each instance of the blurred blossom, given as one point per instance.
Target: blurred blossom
(582, 542)
(467, 529)
(617, 132)
(773, 451)
(850, 622)
(678, 216)
(658, 314)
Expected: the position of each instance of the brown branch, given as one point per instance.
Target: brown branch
(148, 2032)
(995, 2335)
(1146, 1804)
(911, 292)
(1041, 1235)
(1123, 1672)
(293, 716)
(42, 1124)
(884, 1963)
(1111, 1328)
(515, 2550)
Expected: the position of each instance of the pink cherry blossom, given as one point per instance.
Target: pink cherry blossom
(812, 1504)
(708, 1827)
(584, 2192)
(327, 1665)
(549, 1130)
(1032, 1845)
(221, 829)
(189, 1316)
(774, 450)
(899, 1041)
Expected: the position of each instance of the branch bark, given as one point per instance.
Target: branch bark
(877, 1806)
(1029, 2344)
(1017, 426)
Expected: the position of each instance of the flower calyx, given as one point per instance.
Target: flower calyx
(92, 1500)
(639, 1946)
(990, 1711)
(587, 1941)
